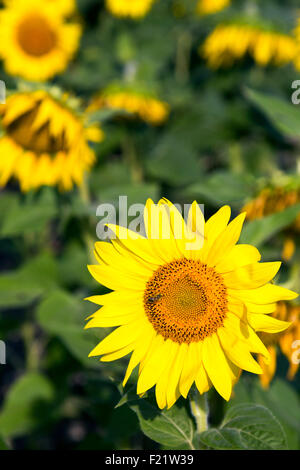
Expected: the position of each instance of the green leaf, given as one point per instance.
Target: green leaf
(283, 114)
(173, 428)
(258, 231)
(23, 286)
(246, 427)
(174, 161)
(29, 217)
(24, 403)
(222, 187)
(62, 315)
(3, 445)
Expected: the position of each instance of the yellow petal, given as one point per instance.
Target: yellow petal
(226, 241)
(141, 348)
(114, 279)
(267, 294)
(159, 232)
(251, 276)
(246, 334)
(135, 243)
(239, 255)
(118, 354)
(190, 368)
(173, 387)
(162, 384)
(268, 369)
(266, 323)
(202, 380)
(119, 338)
(237, 351)
(154, 365)
(215, 225)
(216, 366)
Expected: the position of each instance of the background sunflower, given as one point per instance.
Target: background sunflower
(179, 99)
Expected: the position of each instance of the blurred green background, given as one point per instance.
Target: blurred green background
(222, 143)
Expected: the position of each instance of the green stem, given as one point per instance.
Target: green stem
(84, 192)
(32, 347)
(199, 409)
(184, 45)
(132, 159)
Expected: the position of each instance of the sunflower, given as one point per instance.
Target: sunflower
(297, 36)
(207, 7)
(284, 340)
(133, 8)
(65, 7)
(231, 42)
(187, 300)
(145, 106)
(272, 200)
(36, 42)
(44, 141)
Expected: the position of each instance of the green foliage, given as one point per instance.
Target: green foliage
(246, 427)
(61, 315)
(283, 115)
(25, 403)
(231, 132)
(173, 428)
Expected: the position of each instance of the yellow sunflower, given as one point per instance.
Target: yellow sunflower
(284, 340)
(187, 300)
(148, 108)
(272, 200)
(207, 7)
(65, 7)
(44, 141)
(230, 42)
(36, 42)
(133, 8)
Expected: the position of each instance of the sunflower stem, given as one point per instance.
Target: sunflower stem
(199, 410)
(84, 192)
(132, 159)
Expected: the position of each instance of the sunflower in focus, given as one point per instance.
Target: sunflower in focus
(134, 8)
(187, 301)
(36, 42)
(44, 141)
(283, 340)
(231, 42)
(207, 7)
(272, 200)
(147, 107)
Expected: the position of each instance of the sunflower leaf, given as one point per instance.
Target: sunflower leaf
(283, 114)
(27, 400)
(62, 316)
(172, 428)
(258, 231)
(246, 427)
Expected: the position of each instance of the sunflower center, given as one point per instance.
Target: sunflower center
(36, 36)
(186, 301)
(36, 140)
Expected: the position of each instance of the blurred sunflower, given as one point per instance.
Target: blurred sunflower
(133, 8)
(297, 36)
(284, 340)
(207, 7)
(188, 313)
(145, 106)
(44, 141)
(36, 42)
(231, 42)
(66, 7)
(273, 200)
